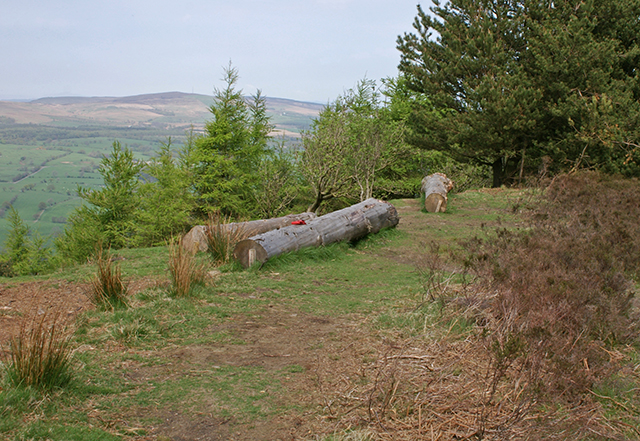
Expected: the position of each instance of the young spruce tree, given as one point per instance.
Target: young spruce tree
(228, 154)
(166, 200)
(109, 215)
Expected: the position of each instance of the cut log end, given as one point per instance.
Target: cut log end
(435, 203)
(247, 252)
(435, 188)
(195, 240)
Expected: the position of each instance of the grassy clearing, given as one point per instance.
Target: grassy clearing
(333, 343)
(110, 341)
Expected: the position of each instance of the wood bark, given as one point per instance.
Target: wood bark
(435, 188)
(196, 239)
(349, 223)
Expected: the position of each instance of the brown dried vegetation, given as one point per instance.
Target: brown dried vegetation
(40, 355)
(109, 291)
(520, 343)
(563, 288)
(521, 352)
(185, 271)
(222, 237)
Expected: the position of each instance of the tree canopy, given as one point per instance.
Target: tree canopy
(228, 154)
(352, 141)
(510, 82)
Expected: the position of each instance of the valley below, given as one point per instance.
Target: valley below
(50, 146)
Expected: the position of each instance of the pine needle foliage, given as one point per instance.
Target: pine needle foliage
(512, 84)
(229, 152)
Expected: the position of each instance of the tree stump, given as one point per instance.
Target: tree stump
(435, 188)
(350, 223)
(196, 239)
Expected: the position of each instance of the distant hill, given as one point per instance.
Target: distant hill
(170, 110)
(50, 146)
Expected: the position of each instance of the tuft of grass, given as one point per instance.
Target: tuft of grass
(186, 273)
(40, 356)
(130, 331)
(109, 291)
(222, 238)
(294, 369)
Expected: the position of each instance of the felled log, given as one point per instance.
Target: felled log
(435, 188)
(196, 239)
(349, 223)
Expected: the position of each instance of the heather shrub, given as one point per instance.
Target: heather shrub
(600, 208)
(562, 289)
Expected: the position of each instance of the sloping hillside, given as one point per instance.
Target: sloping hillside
(51, 145)
(387, 339)
(169, 110)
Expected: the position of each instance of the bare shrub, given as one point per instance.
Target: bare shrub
(543, 322)
(432, 275)
(222, 238)
(40, 356)
(108, 289)
(563, 293)
(185, 271)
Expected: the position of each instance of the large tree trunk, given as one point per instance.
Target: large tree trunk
(196, 239)
(349, 223)
(435, 188)
(498, 173)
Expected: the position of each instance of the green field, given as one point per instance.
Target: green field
(50, 173)
(43, 163)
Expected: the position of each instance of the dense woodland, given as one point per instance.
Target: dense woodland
(489, 92)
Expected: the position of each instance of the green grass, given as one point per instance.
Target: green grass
(81, 431)
(157, 320)
(164, 355)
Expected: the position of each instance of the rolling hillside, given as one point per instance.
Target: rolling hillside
(169, 111)
(51, 145)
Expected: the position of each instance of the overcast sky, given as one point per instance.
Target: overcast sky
(309, 50)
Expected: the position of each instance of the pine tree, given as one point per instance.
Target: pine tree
(109, 216)
(230, 150)
(116, 203)
(166, 200)
(516, 80)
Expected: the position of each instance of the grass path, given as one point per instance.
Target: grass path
(291, 351)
